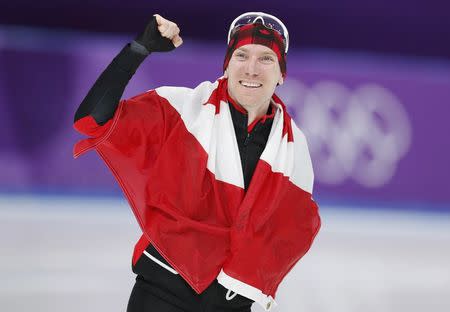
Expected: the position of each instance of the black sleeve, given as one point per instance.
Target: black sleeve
(103, 98)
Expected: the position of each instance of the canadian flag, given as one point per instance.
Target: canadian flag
(174, 153)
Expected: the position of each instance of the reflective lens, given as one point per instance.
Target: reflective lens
(267, 20)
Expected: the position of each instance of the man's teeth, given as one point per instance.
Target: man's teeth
(250, 84)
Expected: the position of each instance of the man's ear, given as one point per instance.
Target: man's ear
(281, 81)
(225, 74)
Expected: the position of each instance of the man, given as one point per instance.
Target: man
(219, 177)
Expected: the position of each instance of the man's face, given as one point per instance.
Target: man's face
(253, 74)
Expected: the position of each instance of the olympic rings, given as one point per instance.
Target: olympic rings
(360, 134)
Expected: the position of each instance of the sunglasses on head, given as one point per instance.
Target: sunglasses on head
(267, 20)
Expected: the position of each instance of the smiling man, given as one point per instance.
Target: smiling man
(253, 74)
(219, 177)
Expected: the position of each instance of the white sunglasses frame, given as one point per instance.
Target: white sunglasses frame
(261, 15)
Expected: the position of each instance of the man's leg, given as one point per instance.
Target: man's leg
(142, 300)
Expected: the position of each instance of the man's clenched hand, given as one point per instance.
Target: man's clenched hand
(160, 35)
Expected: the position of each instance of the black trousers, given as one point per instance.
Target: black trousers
(160, 290)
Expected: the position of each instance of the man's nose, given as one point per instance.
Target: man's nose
(252, 68)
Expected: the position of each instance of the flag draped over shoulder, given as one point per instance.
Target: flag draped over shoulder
(174, 153)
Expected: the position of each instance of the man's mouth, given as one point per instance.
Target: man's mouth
(248, 84)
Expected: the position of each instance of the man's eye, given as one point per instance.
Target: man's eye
(240, 55)
(267, 58)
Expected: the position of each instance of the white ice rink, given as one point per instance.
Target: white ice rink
(72, 254)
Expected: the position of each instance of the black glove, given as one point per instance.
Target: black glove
(152, 40)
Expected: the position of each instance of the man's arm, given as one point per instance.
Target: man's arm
(103, 98)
